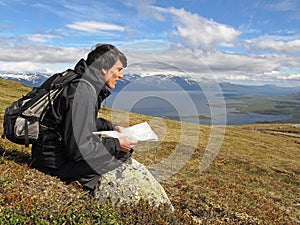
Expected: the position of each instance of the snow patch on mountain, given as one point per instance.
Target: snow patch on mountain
(29, 78)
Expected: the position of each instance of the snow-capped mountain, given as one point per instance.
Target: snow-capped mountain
(161, 82)
(29, 78)
(132, 82)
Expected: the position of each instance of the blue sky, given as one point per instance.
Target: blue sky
(246, 41)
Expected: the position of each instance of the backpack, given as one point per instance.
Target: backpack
(22, 118)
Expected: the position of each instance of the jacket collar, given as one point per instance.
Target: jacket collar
(94, 76)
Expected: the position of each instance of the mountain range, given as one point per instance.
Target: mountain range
(29, 78)
(156, 95)
(163, 82)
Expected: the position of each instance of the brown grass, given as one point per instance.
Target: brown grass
(254, 178)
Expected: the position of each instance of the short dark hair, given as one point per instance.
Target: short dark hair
(105, 56)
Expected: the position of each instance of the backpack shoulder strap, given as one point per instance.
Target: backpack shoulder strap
(88, 83)
(61, 79)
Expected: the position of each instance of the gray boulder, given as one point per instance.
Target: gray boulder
(128, 184)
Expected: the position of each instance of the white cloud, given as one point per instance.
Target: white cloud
(292, 46)
(196, 32)
(93, 26)
(21, 66)
(172, 60)
(237, 63)
(192, 30)
(270, 77)
(220, 65)
(39, 53)
(293, 77)
(42, 38)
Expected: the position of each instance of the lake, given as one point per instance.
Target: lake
(192, 106)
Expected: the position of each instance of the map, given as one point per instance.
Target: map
(138, 132)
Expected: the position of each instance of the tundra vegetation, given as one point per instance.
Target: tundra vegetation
(254, 179)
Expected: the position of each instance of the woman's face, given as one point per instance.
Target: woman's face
(112, 75)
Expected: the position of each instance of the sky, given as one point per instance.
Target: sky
(246, 42)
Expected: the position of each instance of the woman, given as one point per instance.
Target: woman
(67, 147)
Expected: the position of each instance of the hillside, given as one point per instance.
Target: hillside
(254, 179)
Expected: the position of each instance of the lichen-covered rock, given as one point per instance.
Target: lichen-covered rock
(128, 184)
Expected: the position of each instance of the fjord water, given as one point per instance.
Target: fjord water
(192, 106)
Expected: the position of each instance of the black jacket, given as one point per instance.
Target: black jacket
(66, 147)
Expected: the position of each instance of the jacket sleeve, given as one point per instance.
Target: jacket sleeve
(80, 123)
(103, 125)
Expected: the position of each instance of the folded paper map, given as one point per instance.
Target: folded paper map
(138, 132)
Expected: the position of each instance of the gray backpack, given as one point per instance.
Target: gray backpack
(22, 118)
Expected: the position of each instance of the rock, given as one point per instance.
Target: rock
(128, 184)
(296, 125)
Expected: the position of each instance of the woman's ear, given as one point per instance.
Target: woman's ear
(104, 71)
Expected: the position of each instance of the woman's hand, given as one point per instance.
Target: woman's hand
(126, 143)
(119, 129)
